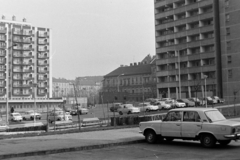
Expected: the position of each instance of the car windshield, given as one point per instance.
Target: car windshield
(214, 116)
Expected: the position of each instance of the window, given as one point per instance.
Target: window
(226, 3)
(227, 17)
(191, 116)
(228, 31)
(173, 116)
(229, 59)
(229, 73)
(228, 45)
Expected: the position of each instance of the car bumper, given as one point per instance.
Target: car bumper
(233, 136)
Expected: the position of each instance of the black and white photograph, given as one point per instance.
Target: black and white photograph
(120, 79)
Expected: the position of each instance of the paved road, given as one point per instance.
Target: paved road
(176, 150)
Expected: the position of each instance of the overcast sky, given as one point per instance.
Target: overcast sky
(90, 37)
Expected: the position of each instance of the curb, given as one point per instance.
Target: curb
(71, 149)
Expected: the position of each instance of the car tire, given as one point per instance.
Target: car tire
(24, 118)
(224, 142)
(120, 113)
(129, 112)
(169, 139)
(208, 140)
(151, 137)
(31, 118)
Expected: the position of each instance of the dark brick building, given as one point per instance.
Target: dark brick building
(134, 83)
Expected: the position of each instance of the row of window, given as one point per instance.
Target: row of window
(187, 77)
(186, 39)
(189, 64)
(186, 52)
(129, 81)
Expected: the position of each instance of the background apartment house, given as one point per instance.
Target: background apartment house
(204, 33)
(134, 83)
(25, 67)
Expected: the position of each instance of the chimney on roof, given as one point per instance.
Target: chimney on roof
(139, 63)
(135, 64)
(121, 65)
(131, 64)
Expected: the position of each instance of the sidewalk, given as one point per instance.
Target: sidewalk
(39, 145)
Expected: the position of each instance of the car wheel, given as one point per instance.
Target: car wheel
(147, 110)
(31, 118)
(224, 142)
(169, 139)
(120, 113)
(129, 112)
(24, 118)
(208, 140)
(151, 137)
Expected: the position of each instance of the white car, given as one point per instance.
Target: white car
(210, 99)
(219, 100)
(206, 125)
(128, 109)
(147, 107)
(179, 104)
(164, 105)
(16, 117)
(59, 116)
(29, 115)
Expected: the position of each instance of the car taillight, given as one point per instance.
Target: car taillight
(233, 130)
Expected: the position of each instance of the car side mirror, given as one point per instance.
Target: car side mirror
(204, 120)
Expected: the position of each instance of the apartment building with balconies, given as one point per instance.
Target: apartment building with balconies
(197, 39)
(25, 67)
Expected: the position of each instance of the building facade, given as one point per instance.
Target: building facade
(195, 40)
(133, 83)
(25, 67)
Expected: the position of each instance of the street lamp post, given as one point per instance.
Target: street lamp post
(205, 80)
(118, 79)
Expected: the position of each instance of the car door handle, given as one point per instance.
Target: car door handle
(178, 124)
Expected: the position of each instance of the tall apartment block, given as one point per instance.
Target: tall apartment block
(25, 68)
(197, 48)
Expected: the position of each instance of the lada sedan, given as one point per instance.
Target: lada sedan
(128, 109)
(206, 125)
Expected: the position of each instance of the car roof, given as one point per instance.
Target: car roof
(194, 109)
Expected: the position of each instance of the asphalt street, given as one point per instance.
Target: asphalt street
(176, 150)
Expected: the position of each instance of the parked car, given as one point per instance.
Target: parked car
(214, 101)
(179, 104)
(219, 100)
(188, 102)
(147, 107)
(209, 100)
(128, 109)
(158, 103)
(196, 100)
(59, 116)
(115, 107)
(16, 117)
(206, 125)
(29, 115)
(166, 104)
(80, 109)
